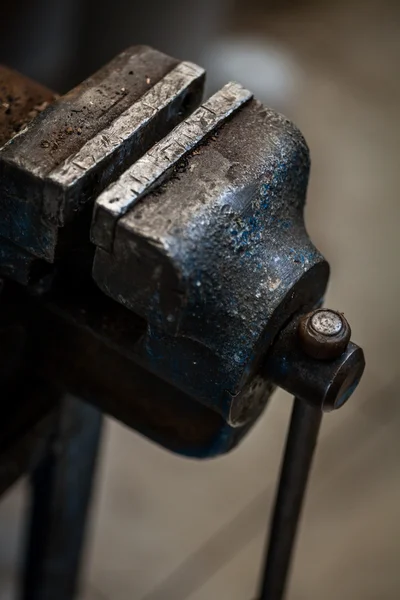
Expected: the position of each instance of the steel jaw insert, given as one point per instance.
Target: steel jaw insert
(51, 171)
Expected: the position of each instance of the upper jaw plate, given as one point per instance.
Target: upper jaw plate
(53, 169)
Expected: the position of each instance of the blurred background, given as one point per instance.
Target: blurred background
(167, 528)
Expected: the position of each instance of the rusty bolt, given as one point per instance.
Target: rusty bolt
(324, 334)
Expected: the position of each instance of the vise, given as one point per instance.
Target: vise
(156, 263)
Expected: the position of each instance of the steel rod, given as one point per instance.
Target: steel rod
(300, 445)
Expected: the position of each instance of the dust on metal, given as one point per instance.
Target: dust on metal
(21, 100)
(63, 159)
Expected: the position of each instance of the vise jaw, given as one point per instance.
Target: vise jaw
(52, 170)
(204, 238)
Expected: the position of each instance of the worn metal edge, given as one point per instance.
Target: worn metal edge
(139, 179)
(128, 124)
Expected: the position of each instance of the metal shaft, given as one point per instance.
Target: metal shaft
(300, 444)
(61, 491)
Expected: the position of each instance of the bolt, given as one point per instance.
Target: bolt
(326, 322)
(324, 334)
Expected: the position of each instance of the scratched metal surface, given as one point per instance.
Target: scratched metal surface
(158, 163)
(50, 171)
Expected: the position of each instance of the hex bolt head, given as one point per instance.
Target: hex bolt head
(324, 334)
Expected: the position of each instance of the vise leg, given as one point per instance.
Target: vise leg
(60, 498)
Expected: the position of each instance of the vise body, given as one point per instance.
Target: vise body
(181, 315)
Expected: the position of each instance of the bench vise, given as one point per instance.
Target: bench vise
(155, 263)
(154, 250)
